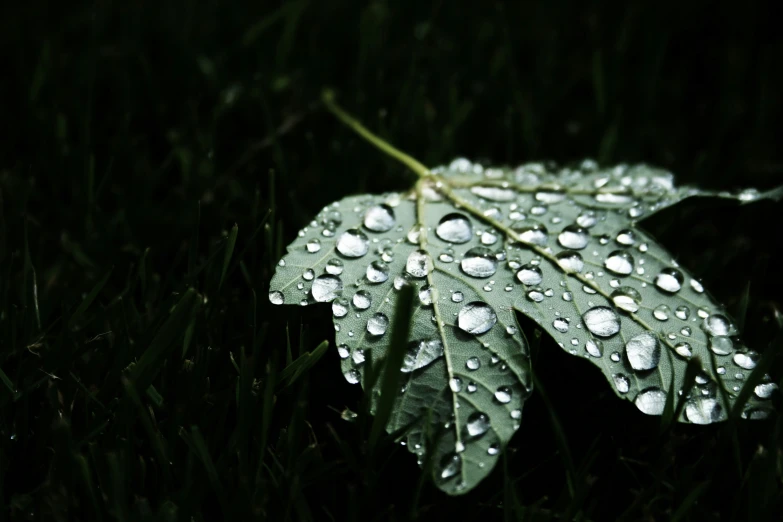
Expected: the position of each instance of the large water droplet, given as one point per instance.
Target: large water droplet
(682, 312)
(560, 324)
(379, 218)
(621, 382)
(352, 376)
(573, 237)
(495, 193)
(276, 297)
(651, 401)
(503, 394)
(326, 287)
(602, 321)
(529, 275)
(479, 262)
(343, 351)
(626, 237)
(662, 312)
(455, 384)
(669, 280)
(334, 266)
(703, 410)
(478, 424)
(362, 300)
(746, 360)
(627, 298)
(570, 261)
(721, 345)
(377, 272)
(717, 324)
(353, 243)
(476, 318)
(683, 350)
(619, 262)
(313, 246)
(643, 351)
(594, 347)
(535, 234)
(418, 264)
(455, 228)
(450, 465)
(358, 357)
(586, 219)
(340, 307)
(378, 324)
(425, 295)
(765, 390)
(421, 353)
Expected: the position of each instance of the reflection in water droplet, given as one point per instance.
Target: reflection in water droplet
(602, 321)
(703, 410)
(651, 401)
(378, 324)
(478, 424)
(418, 264)
(560, 324)
(473, 363)
(669, 280)
(627, 298)
(450, 465)
(573, 237)
(503, 395)
(352, 376)
(479, 262)
(535, 234)
(313, 246)
(570, 261)
(377, 272)
(420, 354)
(340, 307)
(662, 312)
(621, 382)
(326, 287)
(276, 297)
(530, 275)
(619, 262)
(379, 218)
(746, 360)
(454, 228)
(643, 351)
(494, 193)
(457, 296)
(594, 347)
(334, 267)
(362, 299)
(476, 318)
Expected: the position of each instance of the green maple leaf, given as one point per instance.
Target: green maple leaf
(561, 246)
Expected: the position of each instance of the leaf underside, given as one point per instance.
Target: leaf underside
(558, 245)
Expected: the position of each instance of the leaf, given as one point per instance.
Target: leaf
(560, 245)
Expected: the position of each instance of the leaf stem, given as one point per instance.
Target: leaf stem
(327, 96)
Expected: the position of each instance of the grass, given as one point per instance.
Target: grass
(160, 157)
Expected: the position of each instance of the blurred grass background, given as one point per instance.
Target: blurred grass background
(153, 147)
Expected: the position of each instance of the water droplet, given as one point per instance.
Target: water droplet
(530, 275)
(586, 219)
(418, 264)
(421, 353)
(377, 272)
(594, 347)
(378, 324)
(455, 383)
(615, 197)
(615, 357)
(703, 410)
(686, 331)
(511, 330)
(276, 297)
(472, 387)
(535, 295)
(478, 424)
(626, 237)
(358, 357)
(308, 274)
(503, 394)
(401, 280)
(697, 286)
(479, 262)
(550, 196)
(746, 360)
(643, 351)
(495, 193)
(535, 234)
(570, 261)
(379, 218)
(476, 318)
(425, 295)
(473, 363)
(683, 350)
(340, 307)
(651, 401)
(343, 351)
(621, 382)
(313, 246)
(414, 234)
(493, 449)
(326, 287)
(362, 300)
(662, 312)
(450, 465)
(455, 228)
(334, 267)
(352, 376)
(765, 390)
(353, 243)
(489, 238)
(457, 297)
(619, 262)
(568, 296)
(573, 237)
(446, 257)
(682, 312)
(669, 280)
(717, 324)
(602, 321)
(627, 298)
(560, 324)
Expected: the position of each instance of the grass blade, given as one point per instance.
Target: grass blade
(85, 304)
(230, 243)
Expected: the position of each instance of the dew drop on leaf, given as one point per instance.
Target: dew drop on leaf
(627, 298)
(450, 465)
(594, 347)
(418, 264)
(560, 324)
(455, 228)
(746, 360)
(503, 394)
(473, 363)
(643, 351)
(602, 321)
(377, 272)
(535, 234)
(570, 261)
(334, 266)
(765, 390)
(352, 376)
(340, 307)
(343, 351)
(308, 274)
(379, 218)
(683, 350)
(358, 357)
(477, 424)
(573, 237)
(455, 384)
(619, 262)
(425, 295)
(479, 262)
(530, 275)
(326, 287)
(313, 245)
(476, 318)
(626, 237)
(276, 297)
(353, 243)
(662, 312)
(493, 449)
(421, 353)
(717, 324)
(703, 410)
(651, 401)
(682, 312)
(362, 300)
(669, 280)
(457, 296)
(721, 345)
(621, 382)
(378, 324)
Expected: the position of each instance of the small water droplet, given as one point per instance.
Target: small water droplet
(418, 264)
(682, 312)
(493, 449)
(535, 295)
(343, 351)
(683, 350)
(619, 262)
(535, 234)
(326, 288)
(530, 275)
(626, 237)
(276, 297)
(615, 357)
(378, 324)
(358, 357)
(560, 324)
(651, 401)
(352, 376)
(401, 280)
(457, 296)
(511, 330)
(308, 274)
(717, 324)
(334, 267)
(643, 351)
(340, 307)
(450, 465)
(669, 280)
(765, 390)
(425, 295)
(586, 219)
(570, 261)
(362, 300)
(594, 347)
(473, 363)
(353, 243)
(472, 387)
(573, 237)
(314, 245)
(697, 286)
(377, 272)
(627, 298)
(662, 312)
(602, 321)
(621, 382)
(478, 424)
(568, 296)
(454, 228)
(455, 383)
(721, 345)
(476, 318)
(703, 410)
(503, 394)
(379, 218)
(550, 196)
(479, 262)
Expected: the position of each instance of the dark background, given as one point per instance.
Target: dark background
(137, 134)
